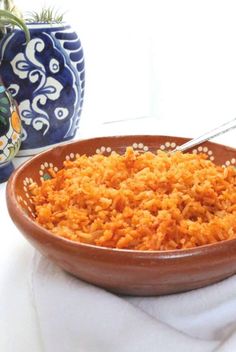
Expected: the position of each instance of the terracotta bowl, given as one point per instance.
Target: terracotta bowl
(122, 271)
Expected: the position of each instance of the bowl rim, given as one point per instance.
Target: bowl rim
(21, 216)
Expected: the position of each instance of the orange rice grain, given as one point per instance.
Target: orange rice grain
(141, 201)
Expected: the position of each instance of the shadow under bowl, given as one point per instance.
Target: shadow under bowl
(131, 272)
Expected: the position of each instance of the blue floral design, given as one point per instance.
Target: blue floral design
(46, 84)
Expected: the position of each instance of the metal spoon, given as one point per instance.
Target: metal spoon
(227, 126)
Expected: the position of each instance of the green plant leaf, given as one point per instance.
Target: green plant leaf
(4, 101)
(7, 18)
(3, 120)
(47, 15)
(2, 109)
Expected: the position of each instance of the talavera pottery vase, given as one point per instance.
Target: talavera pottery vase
(46, 78)
(10, 133)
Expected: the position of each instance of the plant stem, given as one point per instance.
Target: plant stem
(8, 17)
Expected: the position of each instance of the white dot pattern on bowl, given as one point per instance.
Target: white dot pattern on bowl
(103, 149)
(231, 162)
(140, 146)
(70, 156)
(27, 201)
(168, 145)
(204, 150)
(26, 182)
(19, 199)
(172, 145)
(43, 171)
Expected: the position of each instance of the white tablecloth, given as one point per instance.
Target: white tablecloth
(43, 309)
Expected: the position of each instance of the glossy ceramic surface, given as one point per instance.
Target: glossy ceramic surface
(46, 78)
(122, 271)
(10, 133)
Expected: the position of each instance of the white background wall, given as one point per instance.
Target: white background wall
(167, 59)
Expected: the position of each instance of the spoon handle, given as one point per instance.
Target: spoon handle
(225, 127)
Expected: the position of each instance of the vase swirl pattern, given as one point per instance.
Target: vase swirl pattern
(46, 78)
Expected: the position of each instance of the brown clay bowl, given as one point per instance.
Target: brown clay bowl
(121, 271)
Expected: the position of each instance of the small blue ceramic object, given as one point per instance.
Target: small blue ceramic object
(46, 78)
(10, 133)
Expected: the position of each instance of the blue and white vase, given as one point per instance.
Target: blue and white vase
(46, 78)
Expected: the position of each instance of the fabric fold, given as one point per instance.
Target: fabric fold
(76, 316)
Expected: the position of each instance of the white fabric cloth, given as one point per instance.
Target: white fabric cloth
(44, 309)
(76, 316)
